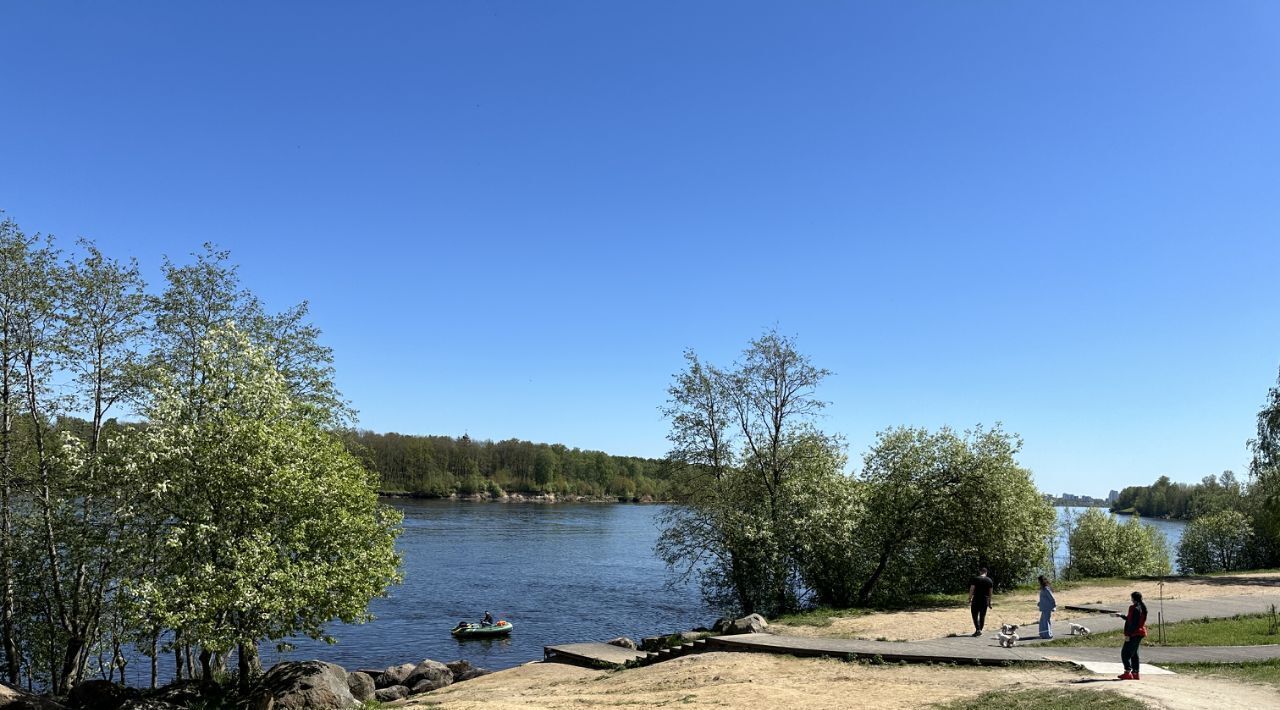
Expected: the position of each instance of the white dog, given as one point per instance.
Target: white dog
(1008, 636)
(1078, 630)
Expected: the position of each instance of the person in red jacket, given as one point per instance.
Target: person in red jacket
(1135, 629)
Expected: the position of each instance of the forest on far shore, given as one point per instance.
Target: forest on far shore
(440, 466)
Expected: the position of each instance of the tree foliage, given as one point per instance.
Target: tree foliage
(1101, 546)
(443, 466)
(89, 506)
(772, 521)
(1166, 499)
(745, 443)
(271, 528)
(1219, 542)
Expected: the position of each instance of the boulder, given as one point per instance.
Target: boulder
(395, 692)
(99, 695)
(361, 686)
(463, 670)
(307, 684)
(652, 644)
(622, 642)
(17, 699)
(182, 693)
(428, 676)
(722, 625)
(749, 624)
(394, 675)
(149, 704)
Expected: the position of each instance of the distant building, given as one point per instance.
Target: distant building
(1113, 496)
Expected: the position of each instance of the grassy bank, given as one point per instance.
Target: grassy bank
(1264, 672)
(1252, 630)
(1056, 698)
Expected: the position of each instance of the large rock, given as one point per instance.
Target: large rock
(395, 692)
(149, 704)
(622, 642)
(749, 624)
(307, 684)
(722, 625)
(182, 693)
(428, 676)
(18, 699)
(394, 675)
(463, 670)
(361, 686)
(99, 695)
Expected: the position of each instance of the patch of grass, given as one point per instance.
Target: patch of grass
(820, 617)
(1267, 672)
(1244, 630)
(1057, 698)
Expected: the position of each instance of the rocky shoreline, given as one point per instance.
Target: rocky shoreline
(319, 684)
(520, 497)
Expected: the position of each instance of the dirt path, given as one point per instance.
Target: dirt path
(1192, 692)
(766, 682)
(1021, 608)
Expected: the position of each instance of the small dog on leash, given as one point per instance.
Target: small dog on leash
(1008, 636)
(1078, 630)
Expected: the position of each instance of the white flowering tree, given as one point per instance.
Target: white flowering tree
(269, 528)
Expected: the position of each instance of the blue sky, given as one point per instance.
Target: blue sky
(511, 217)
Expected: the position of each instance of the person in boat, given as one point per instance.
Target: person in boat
(488, 619)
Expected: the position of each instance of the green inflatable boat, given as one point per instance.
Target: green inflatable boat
(467, 630)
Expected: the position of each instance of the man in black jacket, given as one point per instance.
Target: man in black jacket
(980, 599)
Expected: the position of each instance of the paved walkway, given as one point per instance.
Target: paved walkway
(986, 650)
(982, 650)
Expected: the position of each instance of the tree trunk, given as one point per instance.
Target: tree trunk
(155, 659)
(206, 669)
(869, 586)
(250, 667)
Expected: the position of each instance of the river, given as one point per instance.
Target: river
(559, 573)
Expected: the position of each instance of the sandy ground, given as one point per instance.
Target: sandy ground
(1021, 608)
(761, 681)
(768, 682)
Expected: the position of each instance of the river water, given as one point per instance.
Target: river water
(559, 573)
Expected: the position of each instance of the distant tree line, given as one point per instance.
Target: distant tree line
(441, 466)
(226, 514)
(1181, 501)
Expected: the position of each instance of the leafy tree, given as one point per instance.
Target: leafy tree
(272, 528)
(928, 521)
(1101, 546)
(745, 442)
(1215, 543)
(1264, 474)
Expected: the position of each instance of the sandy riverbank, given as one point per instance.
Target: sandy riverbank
(766, 682)
(739, 680)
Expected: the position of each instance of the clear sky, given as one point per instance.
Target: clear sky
(510, 218)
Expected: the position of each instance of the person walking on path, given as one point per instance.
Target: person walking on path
(1046, 605)
(980, 599)
(1135, 629)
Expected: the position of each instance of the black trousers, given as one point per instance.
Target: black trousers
(979, 612)
(1129, 653)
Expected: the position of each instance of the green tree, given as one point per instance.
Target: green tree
(743, 440)
(272, 528)
(1101, 546)
(924, 488)
(1264, 474)
(1215, 543)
